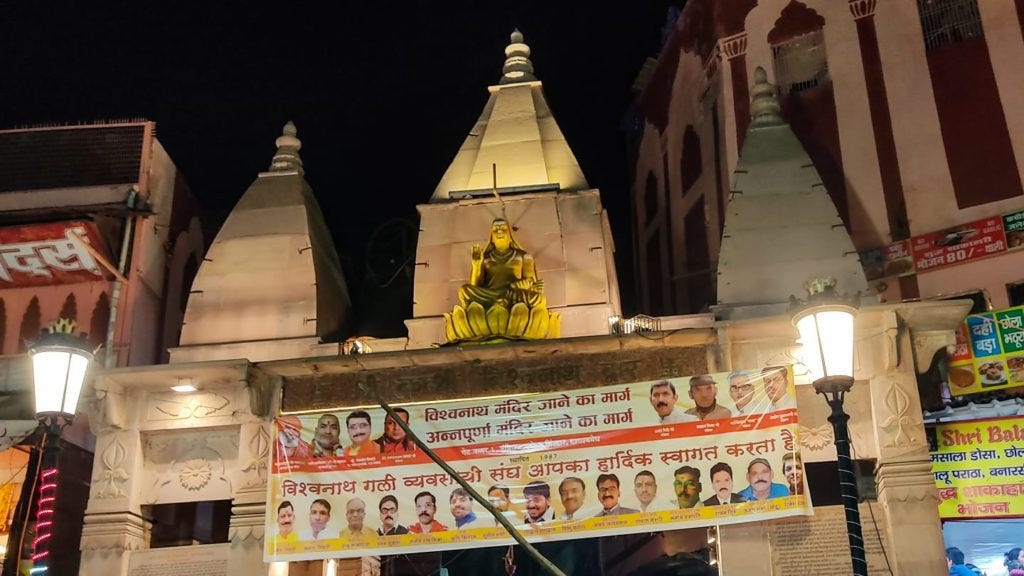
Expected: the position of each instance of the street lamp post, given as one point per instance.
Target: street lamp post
(825, 322)
(59, 362)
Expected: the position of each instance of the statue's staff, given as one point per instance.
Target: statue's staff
(494, 189)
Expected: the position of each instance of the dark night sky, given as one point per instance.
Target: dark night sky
(383, 93)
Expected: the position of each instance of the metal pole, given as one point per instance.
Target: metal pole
(847, 482)
(498, 516)
(46, 497)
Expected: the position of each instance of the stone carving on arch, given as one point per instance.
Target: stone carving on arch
(259, 451)
(112, 475)
(190, 465)
(903, 423)
(816, 438)
(197, 405)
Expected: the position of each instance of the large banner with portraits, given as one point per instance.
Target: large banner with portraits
(638, 457)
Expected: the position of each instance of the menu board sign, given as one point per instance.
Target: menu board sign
(1013, 225)
(959, 244)
(989, 352)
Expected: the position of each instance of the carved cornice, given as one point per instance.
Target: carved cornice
(241, 534)
(862, 8)
(104, 403)
(241, 512)
(261, 388)
(733, 46)
(910, 481)
(114, 532)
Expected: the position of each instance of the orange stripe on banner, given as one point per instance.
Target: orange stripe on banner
(636, 436)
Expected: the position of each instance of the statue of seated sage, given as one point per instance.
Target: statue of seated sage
(504, 299)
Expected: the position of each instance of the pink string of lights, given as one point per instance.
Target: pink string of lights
(44, 514)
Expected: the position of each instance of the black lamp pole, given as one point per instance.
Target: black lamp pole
(834, 388)
(59, 363)
(826, 325)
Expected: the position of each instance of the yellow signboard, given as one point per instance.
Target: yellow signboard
(979, 468)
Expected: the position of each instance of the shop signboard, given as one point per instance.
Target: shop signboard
(895, 259)
(989, 352)
(47, 254)
(959, 244)
(979, 468)
(1013, 225)
(611, 460)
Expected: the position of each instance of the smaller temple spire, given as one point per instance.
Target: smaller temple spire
(518, 67)
(288, 145)
(764, 102)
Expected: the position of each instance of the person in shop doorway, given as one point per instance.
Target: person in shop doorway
(1015, 561)
(955, 563)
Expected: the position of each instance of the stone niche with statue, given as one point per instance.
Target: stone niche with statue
(528, 267)
(504, 298)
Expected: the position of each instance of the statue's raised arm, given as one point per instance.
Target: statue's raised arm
(504, 298)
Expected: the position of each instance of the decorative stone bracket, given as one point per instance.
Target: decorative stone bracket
(262, 387)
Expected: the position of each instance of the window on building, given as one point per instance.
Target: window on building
(650, 199)
(979, 297)
(690, 163)
(655, 277)
(1015, 293)
(945, 22)
(801, 62)
(188, 523)
(699, 276)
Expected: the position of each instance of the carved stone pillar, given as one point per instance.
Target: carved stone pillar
(113, 519)
(248, 508)
(906, 487)
(246, 536)
(863, 12)
(734, 48)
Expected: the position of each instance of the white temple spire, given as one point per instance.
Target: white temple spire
(287, 157)
(518, 67)
(517, 132)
